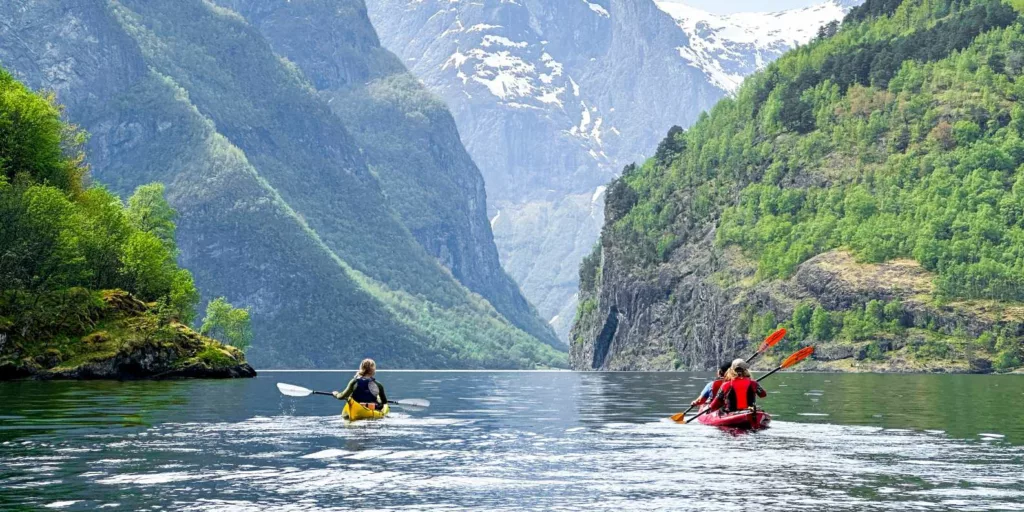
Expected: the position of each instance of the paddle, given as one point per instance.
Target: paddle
(299, 391)
(797, 356)
(680, 415)
(769, 342)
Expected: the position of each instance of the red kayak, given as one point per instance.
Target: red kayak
(742, 419)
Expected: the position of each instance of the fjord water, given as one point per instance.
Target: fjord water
(512, 441)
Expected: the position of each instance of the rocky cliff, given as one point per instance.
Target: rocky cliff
(849, 193)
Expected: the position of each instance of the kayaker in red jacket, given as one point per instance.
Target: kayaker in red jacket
(739, 391)
(711, 390)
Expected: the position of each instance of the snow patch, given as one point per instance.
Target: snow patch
(601, 11)
(480, 27)
(491, 40)
(729, 47)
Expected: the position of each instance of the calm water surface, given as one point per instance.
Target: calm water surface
(513, 441)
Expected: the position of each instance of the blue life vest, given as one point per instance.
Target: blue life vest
(366, 391)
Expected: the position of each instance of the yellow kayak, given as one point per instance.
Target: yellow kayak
(354, 411)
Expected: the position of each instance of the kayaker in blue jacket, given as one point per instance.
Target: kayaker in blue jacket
(364, 388)
(711, 390)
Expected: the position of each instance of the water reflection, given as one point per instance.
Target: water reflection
(509, 441)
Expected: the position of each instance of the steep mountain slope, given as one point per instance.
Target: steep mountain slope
(279, 209)
(552, 99)
(408, 137)
(865, 190)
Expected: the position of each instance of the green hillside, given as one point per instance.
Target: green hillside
(897, 136)
(279, 209)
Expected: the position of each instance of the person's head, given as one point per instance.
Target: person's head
(367, 368)
(723, 368)
(740, 368)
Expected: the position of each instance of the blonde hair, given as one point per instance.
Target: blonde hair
(737, 372)
(367, 368)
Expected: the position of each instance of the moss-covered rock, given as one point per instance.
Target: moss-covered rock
(127, 339)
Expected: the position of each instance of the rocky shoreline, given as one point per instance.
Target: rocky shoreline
(127, 340)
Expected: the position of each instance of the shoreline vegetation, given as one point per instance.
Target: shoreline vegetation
(865, 191)
(89, 285)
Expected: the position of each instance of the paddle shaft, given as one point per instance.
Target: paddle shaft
(323, 393)
(751, 358)
(759, 379)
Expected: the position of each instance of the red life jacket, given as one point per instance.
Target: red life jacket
(716, 386)
(741, 393)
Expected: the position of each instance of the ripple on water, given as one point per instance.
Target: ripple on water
(575, 454)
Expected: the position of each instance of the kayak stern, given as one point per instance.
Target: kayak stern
(355, 411)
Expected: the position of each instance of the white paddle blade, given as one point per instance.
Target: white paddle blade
(293, 390)
(413, 402)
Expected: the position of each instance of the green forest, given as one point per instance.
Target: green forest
(897, 134)
(85, 276)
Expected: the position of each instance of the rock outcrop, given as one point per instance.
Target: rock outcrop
(121, 338)
(692, 313)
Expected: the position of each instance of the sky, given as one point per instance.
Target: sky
(730, 6)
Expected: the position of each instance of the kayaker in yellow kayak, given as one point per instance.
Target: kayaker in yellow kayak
(364, 388)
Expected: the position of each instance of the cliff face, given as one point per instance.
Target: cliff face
(695, 313)
(281, 207)
(819, 199)
(552, 99)
(407, 136)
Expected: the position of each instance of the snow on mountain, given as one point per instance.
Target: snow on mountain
(515, 65)
(729, 47)
(553, 97)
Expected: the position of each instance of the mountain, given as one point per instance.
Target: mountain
(552, 99)
(288, 203)
(729, 47)
(407, 135)
(865, 191)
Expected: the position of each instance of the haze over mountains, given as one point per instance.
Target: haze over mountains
(317, 182)
(552, 99)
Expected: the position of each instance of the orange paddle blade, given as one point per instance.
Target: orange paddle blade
(678, 416)
(797, 356)
(773, 339)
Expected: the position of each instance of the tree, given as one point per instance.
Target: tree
(821, 324)
(802, 316)
(227, 323)
(147, 267)
(672, 145)
(184, 296)
(150, 212)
